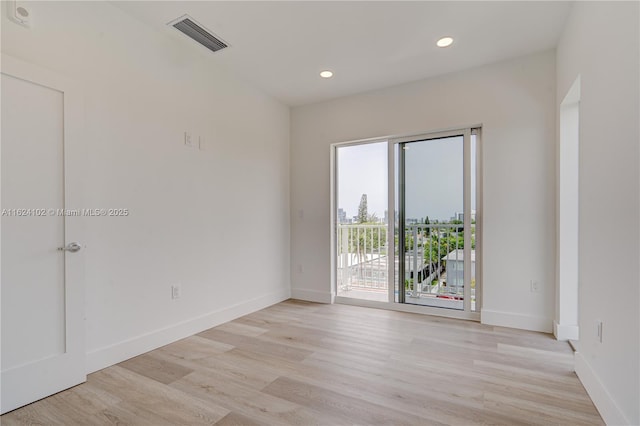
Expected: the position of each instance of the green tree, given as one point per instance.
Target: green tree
(363, 215)
(458, 222)
(438, 246)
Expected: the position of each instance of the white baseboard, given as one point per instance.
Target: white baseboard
(514, 320)
(113, 354)
(608, 409)
(565, 332)
(312, 295)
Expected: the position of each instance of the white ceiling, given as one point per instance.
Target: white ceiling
(281, 47)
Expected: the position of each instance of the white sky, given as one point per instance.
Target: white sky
(362, 169)
(433, 171)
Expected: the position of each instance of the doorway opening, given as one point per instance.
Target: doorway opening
(565, 327)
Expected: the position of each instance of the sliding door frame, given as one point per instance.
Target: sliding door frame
(394, 145)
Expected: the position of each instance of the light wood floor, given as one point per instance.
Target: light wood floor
(303, 363)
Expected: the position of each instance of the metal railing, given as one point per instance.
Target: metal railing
(362, 256)
(433, 258)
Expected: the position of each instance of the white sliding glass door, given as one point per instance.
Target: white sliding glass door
(407, 233)
(436, 191)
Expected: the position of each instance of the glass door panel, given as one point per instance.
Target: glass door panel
(361, 221)
(436, 256)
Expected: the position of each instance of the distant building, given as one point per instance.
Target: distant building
(455, 267)
(342, 216)
(460, 216)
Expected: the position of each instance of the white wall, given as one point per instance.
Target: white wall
(216, 221)
(601, 44)
(515, 102)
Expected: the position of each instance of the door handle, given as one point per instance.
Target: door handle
(71, 247)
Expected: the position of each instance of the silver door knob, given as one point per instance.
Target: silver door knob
(71, 247)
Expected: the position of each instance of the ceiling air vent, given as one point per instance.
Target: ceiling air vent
(188, 26)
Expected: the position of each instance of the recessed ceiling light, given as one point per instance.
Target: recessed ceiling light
(444, 42)
(326, 74)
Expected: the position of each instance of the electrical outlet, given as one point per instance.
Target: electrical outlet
(599, 330)
(535, 287)
(176, 291)
(187, 139)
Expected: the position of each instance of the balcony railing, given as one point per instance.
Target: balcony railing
(362, 256)
(434, 259)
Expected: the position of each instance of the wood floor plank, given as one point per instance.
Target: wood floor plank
(225, 369)
(254, 344)
(236, 419)
(351, 409)
(437, 400)
(534, 411)
(259, 406)
(564, 382)
(157, 369)
(302, 363)
(242, 329)
(139, 393)
(194, 347)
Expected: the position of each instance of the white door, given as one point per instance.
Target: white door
(42, 296)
